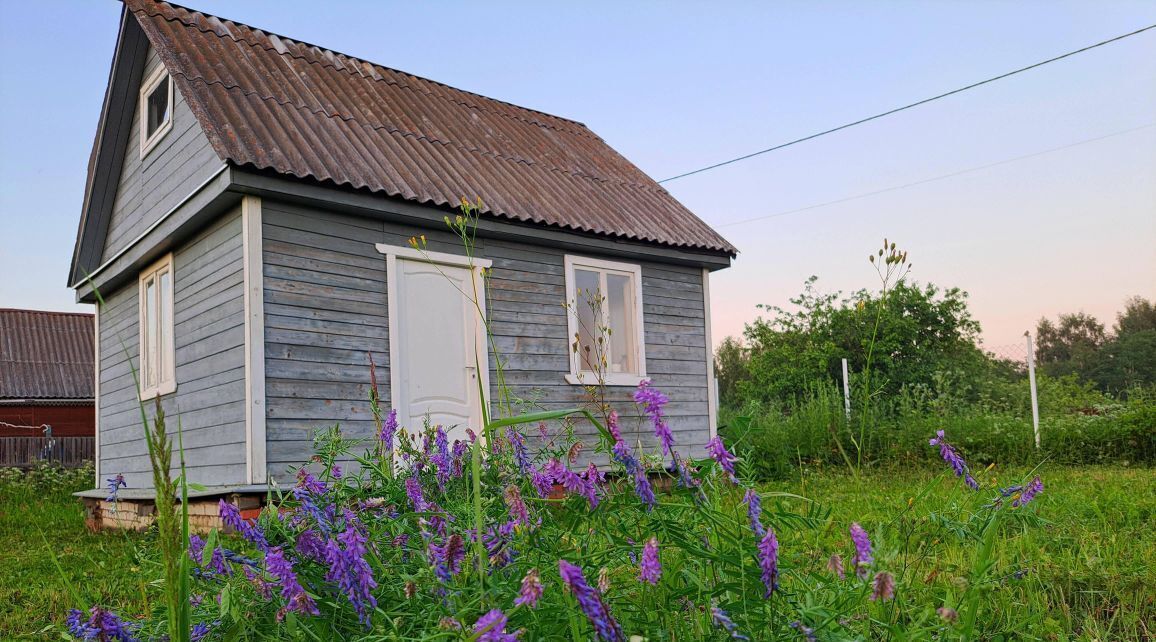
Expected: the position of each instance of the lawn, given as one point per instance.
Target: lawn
(1083, 571)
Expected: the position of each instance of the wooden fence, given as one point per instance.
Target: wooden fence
(25, 452)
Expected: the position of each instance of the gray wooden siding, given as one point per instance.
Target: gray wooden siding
(208, 312)
(325, 309)
(151, 186)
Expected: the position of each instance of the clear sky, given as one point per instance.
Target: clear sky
(675, 86)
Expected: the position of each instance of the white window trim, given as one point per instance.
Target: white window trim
(167, 381)
(577, 376)
(148, 142)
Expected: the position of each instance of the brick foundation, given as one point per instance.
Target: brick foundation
(139, 514)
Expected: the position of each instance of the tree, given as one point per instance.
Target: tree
(1139, 315)
(731, 369)
(923, 330)
(1069, 346)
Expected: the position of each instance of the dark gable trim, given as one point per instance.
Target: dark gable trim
(110, 146)
(294, 190)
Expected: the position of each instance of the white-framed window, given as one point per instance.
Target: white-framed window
(157, 372)
(156, 109)
(605, 322)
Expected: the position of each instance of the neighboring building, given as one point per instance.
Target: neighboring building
(46, 386)
(246, 221)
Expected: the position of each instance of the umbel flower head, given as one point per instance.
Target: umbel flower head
(590, 602)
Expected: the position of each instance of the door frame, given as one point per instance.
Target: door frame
(475, 265)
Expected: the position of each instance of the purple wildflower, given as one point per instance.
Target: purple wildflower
(884, 587)
(264, 588)
(114, 486)
(769, 561)
(516, 505)
(644, 489)
(199, 632)
(718, 451)
(612, 426)
(652, 402)
(542, 483)
(309, 483)
(518, 444)
(754, 512)
(863, 557)
(388, 430)
(573, 482)
(835, 565)
(492, 627)
(807, 632)
(1034, 487)
(218, 564)
(231, 517)
(196, 548)
(460, 450)
(441, 458)
(296, 599)
(448, 557)
(498, 542)
(311, 546)
(721, 618)
(102, 625)
(590, 602)
(650, 570)
(349, 570)
(413, 491)
(531, 590)
(949, 454)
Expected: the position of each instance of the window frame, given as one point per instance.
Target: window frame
(147, 143)
(578, 376)
(166, 377)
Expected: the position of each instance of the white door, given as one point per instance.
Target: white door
(433, 364)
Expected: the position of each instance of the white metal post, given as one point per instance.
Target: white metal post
(1032, 380)
(846, 391)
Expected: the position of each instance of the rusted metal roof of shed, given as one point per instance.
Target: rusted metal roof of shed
(45, 355)
(273, 103)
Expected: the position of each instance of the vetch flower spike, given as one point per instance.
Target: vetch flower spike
(863, 558)
(769, 561)
(590, 602)
(650, 570)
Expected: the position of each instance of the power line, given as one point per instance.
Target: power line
(905, 107)
(937, 178)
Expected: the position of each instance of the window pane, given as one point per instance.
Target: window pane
(148, 360)
(164, 326)
(587, 303)
(622, 331)
(158, 106)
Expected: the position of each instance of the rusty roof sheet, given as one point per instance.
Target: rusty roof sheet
(278, 104)
(45, 355)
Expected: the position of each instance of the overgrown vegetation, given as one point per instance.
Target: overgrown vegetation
(1083, 568)
(915, 364)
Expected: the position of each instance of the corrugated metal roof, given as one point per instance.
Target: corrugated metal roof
(278, 104)
(45, 355)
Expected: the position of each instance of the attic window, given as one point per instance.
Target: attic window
(156, 109)
(605, 322)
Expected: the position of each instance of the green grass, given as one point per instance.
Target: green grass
(1089, 554)
(1086, 546)
(97, 567)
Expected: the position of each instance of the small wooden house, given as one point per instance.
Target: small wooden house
(246, 221)
(46, 387)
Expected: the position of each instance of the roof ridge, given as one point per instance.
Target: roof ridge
(55, 312)
(583, 129)
(391, 129)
